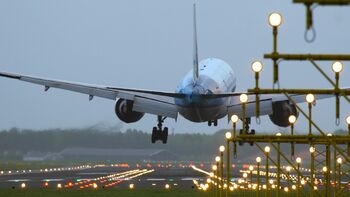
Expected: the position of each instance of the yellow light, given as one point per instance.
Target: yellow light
(337, 67)
(324, 169)
(298, 160)
(267, 149)
(292, 119)
(339, 160)
(312, 149)
(23, 185)
(251, 168)
(257, 66)
(348, 120)
(294, 187)
(211, 174)
(286, 189)
(59, 185)
(275, 19)
(258, 159)
(310, 98)
(217, 159)
(329, 134)
(214, 167)
(264, 186)
(208, 180)
(278, 134)
(94, 186)
(271, 181)
(222, 148)
(167, 186)
(243, 98)
(288, 168)
(234, 118)
(302, 181)
(245, 175)
(131, 186)
(228, 135)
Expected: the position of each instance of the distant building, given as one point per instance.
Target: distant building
(96, 154)
(40, 156)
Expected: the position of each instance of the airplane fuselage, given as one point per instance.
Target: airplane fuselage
(215, 77)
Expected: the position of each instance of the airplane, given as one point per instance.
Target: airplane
(205, 94)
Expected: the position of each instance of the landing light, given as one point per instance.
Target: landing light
(234, 118)
(217, 159)
(258, 159)
(222, 148)
(228, 135)
(310, 98)
(243, 98)
(257, 66)
(292, 119)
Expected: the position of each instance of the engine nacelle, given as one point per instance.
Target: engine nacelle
(123, 109)
(281, 112)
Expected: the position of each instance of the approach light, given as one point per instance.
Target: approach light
(245, 175)
(275, 19)
(214, 167)
(324, 169)
(222, 148)
(288, 168)
(258, 159)
(217, 159)
(228, 135)
(339, 160)
(131, 186)
(167, 186)
(312, 149)
(337, 67)
(310, 98)
(59, 185)
(278, 134)
(23, 185)
(292, 119)
(251, 168)
(298, 160)
(257, 66)
(95, 186)
(234, 118)
(267, 149)
(348, 120)
(243, 98)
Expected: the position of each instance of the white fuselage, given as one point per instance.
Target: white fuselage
(215, 77)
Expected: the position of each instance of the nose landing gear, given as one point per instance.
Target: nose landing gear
(158, 133)
(247, 131)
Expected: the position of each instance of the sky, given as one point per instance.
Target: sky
(148, 45)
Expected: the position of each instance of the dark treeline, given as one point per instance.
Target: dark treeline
(55, 140)
(187, 146)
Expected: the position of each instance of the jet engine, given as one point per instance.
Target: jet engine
(123, 109)
(281, 112)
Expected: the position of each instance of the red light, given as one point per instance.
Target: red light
(46, 184)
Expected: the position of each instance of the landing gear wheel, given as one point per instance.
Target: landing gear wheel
(215, 123)
(165, 135)
(154, 135)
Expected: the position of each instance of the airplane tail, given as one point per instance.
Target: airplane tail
(195, 47)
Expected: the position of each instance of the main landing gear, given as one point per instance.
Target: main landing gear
(213, 122)
(251, 132)
(158, 133)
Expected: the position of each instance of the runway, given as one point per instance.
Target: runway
(103, 176)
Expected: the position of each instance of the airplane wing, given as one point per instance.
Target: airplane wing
(146, 101)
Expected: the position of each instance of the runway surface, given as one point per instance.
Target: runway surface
(103, 176)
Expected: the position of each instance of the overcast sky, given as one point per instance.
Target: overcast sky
(148, 45)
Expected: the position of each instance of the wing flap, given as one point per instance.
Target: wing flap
(155, 107)
(265, 108)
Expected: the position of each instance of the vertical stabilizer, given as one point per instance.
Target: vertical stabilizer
(195, 47)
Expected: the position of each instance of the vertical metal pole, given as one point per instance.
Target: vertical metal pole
(335, 171)
(258, 180)
(267, 175)
(310, 113)
(328, 164)
(298, 183)
(244, 119)
(234, 141)
(217, 179)
(257, 100)
(312, 171)
(337, 102)
(278, 169)
(222, 174)
(339, 176)
(228, 167)
(275, 65)
(292, 144)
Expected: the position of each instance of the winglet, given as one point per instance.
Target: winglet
(195, 47)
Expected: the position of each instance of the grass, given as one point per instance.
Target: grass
(97, 193)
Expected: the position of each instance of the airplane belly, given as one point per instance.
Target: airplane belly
(202, 114)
